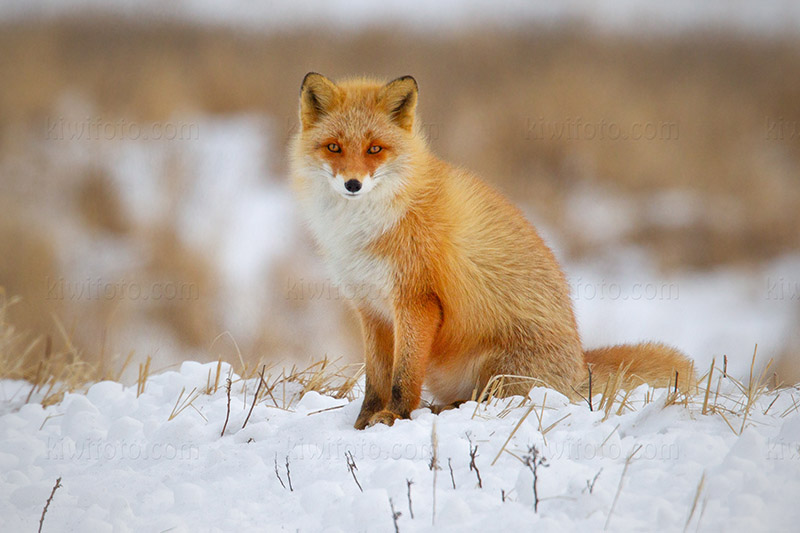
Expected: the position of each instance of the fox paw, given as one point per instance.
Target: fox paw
(383, 417)
(363, 420)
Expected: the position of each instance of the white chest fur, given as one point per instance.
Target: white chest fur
(344, 230)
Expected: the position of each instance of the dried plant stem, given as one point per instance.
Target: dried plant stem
(277, 474)
(619, 487)
(533, 460)
(473, 454)
(47, 504)
(434, 466)
(590, 485)
(410, 482)
(351, 466)
(255, 397)
(708, 389)
(699, 491)
(228, 412)
(521, 420)
(395, 516)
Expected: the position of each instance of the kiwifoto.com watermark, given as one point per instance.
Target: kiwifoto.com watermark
(780, 288)
(580, 129)
(780, 129)
(326, 289)
(603, 290)
(301, 449)
(578, 449)
(783, 450)
(99, 129)
(65, 449)
(101, 289)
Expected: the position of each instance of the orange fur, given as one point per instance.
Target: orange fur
(461, 288)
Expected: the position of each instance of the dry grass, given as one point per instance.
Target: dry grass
(480, 93)
(628, 460)
(51, 373)
(732, 399)
(749, 393)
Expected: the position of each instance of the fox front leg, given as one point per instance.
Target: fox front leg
(415, 328)
(378, 355)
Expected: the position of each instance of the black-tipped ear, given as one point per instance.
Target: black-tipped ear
(400, 100)
(317, 95)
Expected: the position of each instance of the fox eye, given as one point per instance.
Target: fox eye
(374, 149)
(335, 148)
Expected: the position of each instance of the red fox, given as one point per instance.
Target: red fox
(456, 285)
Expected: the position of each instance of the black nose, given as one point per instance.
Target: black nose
(352, 185)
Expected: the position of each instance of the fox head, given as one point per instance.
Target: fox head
(357, 135)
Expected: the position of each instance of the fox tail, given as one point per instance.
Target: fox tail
(653, 363)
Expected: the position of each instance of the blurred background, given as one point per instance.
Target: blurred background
(145, 209)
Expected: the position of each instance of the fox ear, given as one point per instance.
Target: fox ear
(400, 98)
(317, 95)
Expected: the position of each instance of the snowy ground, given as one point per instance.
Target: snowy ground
(125, 467)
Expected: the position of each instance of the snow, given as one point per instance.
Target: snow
(126, 467)
(638, 16)
(706, 314)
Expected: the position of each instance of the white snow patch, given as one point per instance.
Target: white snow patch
(125, 467)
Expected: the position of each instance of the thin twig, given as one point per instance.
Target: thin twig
(609, 435)
(619, 487)
(590, 485)
(473, 453)
(521, 420)
(533, 460)
(325, 410)
(228, 412)
(255, 397)
(452, 477)
(277, 474)
(289, 475)
(700, 485)
(410, 482)
(395, 516)
(47, 504)
(708, 389)
(351, 466)
(772, 403)
(48, 347)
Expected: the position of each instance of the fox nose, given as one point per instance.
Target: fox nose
(352, 185)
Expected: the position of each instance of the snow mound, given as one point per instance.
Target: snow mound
(156, 462)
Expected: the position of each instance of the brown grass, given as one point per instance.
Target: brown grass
(719, 90)
(480, 92)
(50, 372)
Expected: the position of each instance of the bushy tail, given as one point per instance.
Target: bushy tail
(650, 362)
